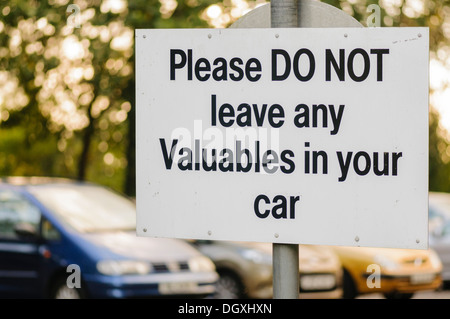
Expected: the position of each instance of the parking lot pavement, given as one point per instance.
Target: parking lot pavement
(442, 294)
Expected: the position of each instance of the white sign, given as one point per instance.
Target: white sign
(312, 136)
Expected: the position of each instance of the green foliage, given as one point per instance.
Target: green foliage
(92, 137)
(439, 156)
(67, 107)
(432, 14)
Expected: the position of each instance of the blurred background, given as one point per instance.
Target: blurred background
(67, 109)
(67, 79)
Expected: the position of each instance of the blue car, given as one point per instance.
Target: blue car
(65, 239)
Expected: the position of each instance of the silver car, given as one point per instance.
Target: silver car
(245, 270)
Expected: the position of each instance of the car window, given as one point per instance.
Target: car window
(16, 210)
(49, 231)
(433, 212)
(87, 208)
(439, 207)
(446, 229)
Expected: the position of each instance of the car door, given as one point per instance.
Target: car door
(19, 255)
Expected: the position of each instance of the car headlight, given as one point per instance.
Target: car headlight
(123, 267)
(201, 264)
(385, 262)
(256, 256)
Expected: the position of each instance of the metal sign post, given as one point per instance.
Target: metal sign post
(284, 14)
(285, 271)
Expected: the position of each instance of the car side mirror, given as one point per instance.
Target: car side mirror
(26, 231)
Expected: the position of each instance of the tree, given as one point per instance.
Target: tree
(68, 109)
(432, 14)
(67, 92)
(407, 13)
(439, 155)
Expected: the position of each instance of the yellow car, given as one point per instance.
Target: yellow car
(396, 273)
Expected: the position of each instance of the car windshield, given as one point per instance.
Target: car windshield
(87, 208)
(439, 207)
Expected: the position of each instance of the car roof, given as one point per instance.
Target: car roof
(26, 183)
(439, 195)
(36, 180)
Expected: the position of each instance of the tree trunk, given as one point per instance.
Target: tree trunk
(87, 138)
(130, 174)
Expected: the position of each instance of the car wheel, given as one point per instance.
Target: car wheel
(60, 290)
(396, 295)
(228, 286)
(349, 287)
